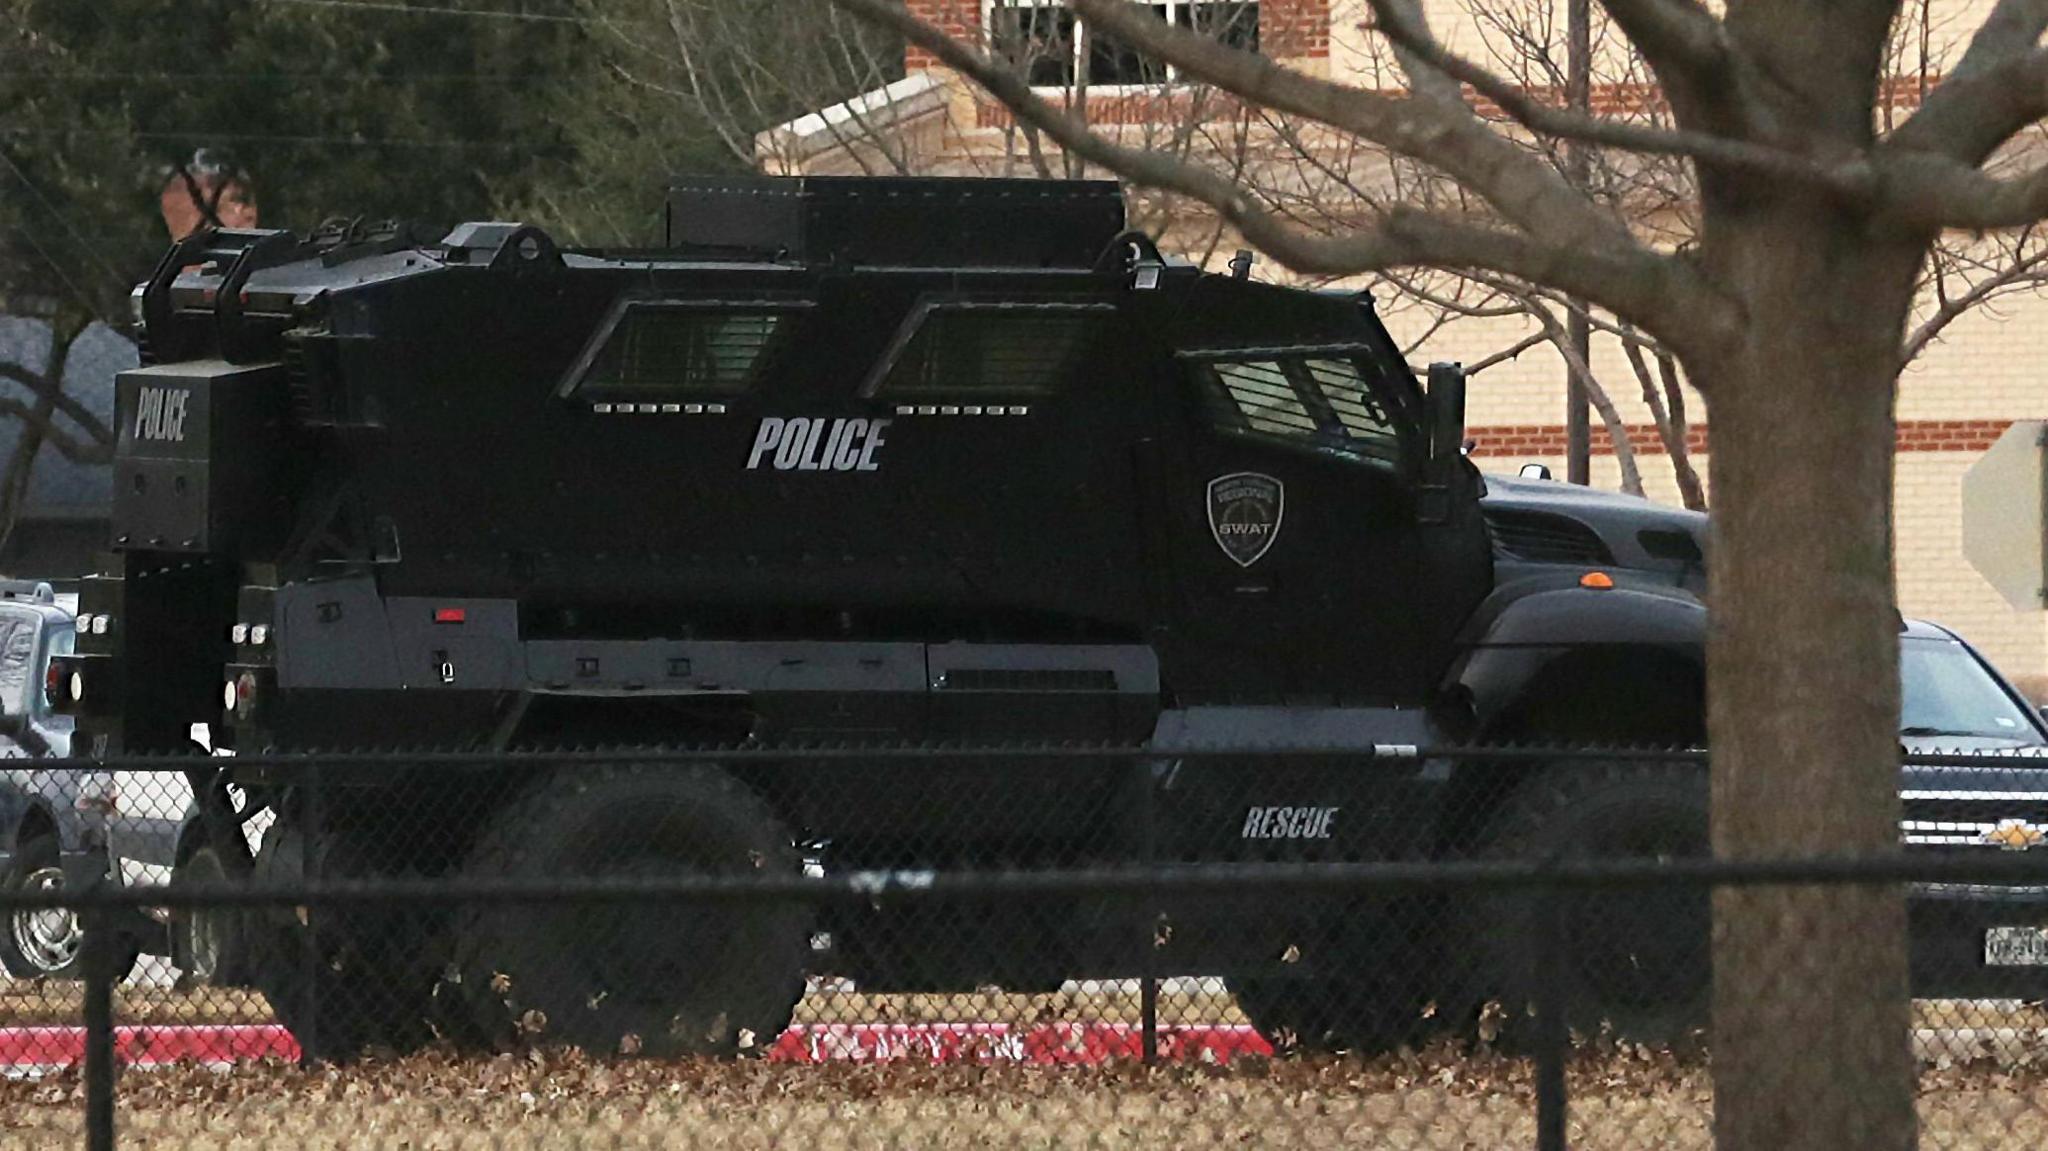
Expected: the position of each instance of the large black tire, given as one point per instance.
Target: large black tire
(1376, 983)
(372, 979)
(1635, 962)
(207, 944)
(46, 943)
(670, 978)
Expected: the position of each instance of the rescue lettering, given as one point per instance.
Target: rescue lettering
(160, 414)
(805, 444)
(1290, 822)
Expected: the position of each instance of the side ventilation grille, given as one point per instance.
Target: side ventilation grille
(1539, 537)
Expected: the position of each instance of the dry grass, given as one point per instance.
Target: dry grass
(1437, 1100)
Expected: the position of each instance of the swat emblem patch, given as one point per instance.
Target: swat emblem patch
(1244, 514)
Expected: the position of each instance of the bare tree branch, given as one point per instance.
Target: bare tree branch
(43, 385)
(1667, 411)
(1661, 293)
(1851, 181)
(1525, 190)
(1555, 333)
(1970, 114)
(2027, 267)
(1925, 190)
(1679, 38)
(1509, 353)
(2012, 31)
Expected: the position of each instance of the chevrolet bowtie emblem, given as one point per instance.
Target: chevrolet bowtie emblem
(2015, 835)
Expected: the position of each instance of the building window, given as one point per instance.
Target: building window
(1045, 41)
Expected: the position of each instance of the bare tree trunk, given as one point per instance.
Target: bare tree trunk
(1805, 689)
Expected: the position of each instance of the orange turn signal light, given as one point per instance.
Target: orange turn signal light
(1599, 581)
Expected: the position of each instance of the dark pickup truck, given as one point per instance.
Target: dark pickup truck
(1968, 940)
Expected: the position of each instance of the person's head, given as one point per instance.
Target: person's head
(206, 190)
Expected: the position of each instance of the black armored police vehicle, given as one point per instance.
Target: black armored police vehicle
(866, 462)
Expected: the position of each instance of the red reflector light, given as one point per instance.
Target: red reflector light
(448, 615)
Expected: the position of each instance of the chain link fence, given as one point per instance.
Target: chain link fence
(1033, 946)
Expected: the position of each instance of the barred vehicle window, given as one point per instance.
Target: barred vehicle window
(1324, 403)
(1350, 399)
(988, 351)
(1265, 399)
(658, 350)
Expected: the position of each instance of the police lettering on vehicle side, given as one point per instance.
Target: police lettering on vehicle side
(160, 414)
(807, 444)
(1245, 509)
(1290, 823)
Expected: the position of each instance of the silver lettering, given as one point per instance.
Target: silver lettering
(794, 439)
(841, 429)
(816, 444)
(867, 452)
(160, 414)
(769, 435)
(848, 452)
(1289, 823)
(811, 463)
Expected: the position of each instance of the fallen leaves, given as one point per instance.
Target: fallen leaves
(1440, 1097)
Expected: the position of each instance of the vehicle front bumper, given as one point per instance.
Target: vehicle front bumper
(1947, 923)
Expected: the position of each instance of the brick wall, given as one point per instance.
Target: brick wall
(960, 19)
(1294, 29)
(1549, 439)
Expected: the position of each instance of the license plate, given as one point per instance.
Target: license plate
(2016, 947)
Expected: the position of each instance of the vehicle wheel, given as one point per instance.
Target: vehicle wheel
(1635, 961)
(370, 980)
(49, 943)
(207, 946)
(1376, 984)
(671, 978)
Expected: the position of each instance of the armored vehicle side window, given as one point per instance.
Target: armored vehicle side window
(652, 350)
(1322, 402)
(987, 351)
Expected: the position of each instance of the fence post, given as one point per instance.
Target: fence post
(1553, 1035)
(1148, 920)
(312, 813)
(99, 1026)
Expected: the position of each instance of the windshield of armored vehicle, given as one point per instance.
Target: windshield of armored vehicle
(1947, 691)
(1318, 400)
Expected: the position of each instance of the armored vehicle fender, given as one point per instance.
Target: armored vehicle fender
(1577, 656)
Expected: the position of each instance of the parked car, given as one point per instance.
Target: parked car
(61, 827)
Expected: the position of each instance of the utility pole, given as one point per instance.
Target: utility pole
(1578, 431)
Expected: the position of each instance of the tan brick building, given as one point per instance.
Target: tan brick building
(1985, 371)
